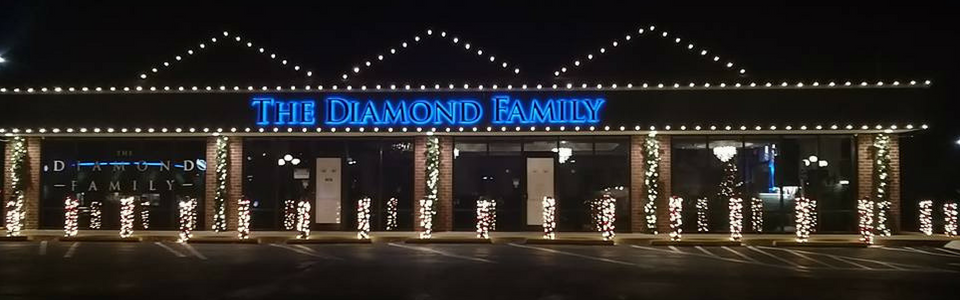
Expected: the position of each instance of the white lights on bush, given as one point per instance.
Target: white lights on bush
(363, 218)
(392, 214)
(127, 207)
(71, 214)
(303, 220)
(426, 218)
(549, 218)
(865, 208)
(145, 213)
(485, 217)
(736, 219)
(607, 217)
(804, 211)
(950, 219)
(243, 218)
(756, 214)
(95, 214)
(703, 224)
(188, 219)
(676, 218)
(926, 217)
(289, 214)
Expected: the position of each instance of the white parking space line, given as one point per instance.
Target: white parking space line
(777, 257)
(43, 248)
(913, 250)
(675, 249)
(804, 256)
(948, 251)
(175, 252)
(607, 260)
(193, 251)
(741, 255)
(850, 262)
(305, 251)
(442, 253)
(707, 252)
(71, 250)
(894, 266)
(749, 261)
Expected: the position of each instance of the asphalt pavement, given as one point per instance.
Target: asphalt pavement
(168, 270)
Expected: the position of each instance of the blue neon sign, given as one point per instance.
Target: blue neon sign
(500, 110)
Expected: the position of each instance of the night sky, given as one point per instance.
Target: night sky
(49, 43)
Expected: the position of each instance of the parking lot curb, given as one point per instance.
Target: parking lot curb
(101, 238)
(14, 238)
(327, 241)
(253, 241)
(691, 243)
(912, 243)
(583, 242)
(449, 241)
(833, 244)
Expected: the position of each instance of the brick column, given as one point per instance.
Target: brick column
(865, 161)
(443, 221)
(31, 203)
(666, 191)
(638, 219)
(234, 181)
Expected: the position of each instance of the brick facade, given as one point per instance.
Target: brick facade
(865, 161)
(666, 190)
(234, 181)
(443, 221)
(31, 203)
(638, 222)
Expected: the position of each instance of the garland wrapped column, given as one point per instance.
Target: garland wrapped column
(71, 216)
(243, 218)
(428, 205)
(220, 198)
(881, 182)
(926, 217)
(363, 218)
(676, 218)
(865, 207)
(651, 180)
(14, 206)
(549, 218)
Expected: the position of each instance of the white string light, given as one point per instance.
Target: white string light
(881, 177)
(652, 31)
(950, 219)
(243, 218)
(549, 218)
(703, 224)
(303, 219)
(220, 196)
(736, 219)
(431, 34)
(237, 40)
(865, 207)
(188, 217)
(651, 180)
(607, 218)
(363, 218)
(145, 213)
(392, 214)
(15, 213)
(756, 214)
(804, 208)
(71, 216)
(676, 218)
(289, 214)
(926, 217)
(485, 216)
(95, 214)
(427, 209)
(426, 218)
(127, 207)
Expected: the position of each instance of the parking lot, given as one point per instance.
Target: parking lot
(50, 269)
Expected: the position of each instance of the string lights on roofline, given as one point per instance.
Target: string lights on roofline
(436, 87)
(225, 37)
(652, 31)
(431, 34)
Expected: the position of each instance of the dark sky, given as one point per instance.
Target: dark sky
(90, 43)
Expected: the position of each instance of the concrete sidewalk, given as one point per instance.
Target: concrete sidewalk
(574, 238)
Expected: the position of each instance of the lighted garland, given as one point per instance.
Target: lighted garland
(676, 218)
(865, 207)
(188, 217)
(950, 219)
(145, 214)
(756, 214)
(427, 209)
(736, 219)
(804, 218)
(127, 207)
(289, 214)
(95, 214)
(363, 218)
(703, 224)
(607, 217)
(485, 217)
(881, 181)
(220, 198)
(243, 218)
(926, 217)
(729, 183)
(392, 214)
(549, 218)
(303, 219)
(71, 216)
(15, 214)
(651, 148)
